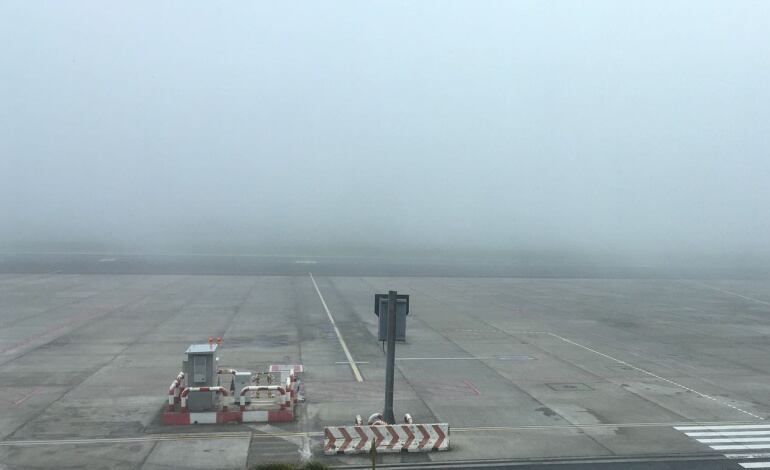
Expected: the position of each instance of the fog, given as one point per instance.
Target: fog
(600, 127)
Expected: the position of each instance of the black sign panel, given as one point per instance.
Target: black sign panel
(399, 297)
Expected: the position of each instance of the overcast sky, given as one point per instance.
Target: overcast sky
(564, 125)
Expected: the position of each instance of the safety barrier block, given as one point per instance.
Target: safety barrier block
(228, 417)
(280, 416)
(387, 438)
(222, 417)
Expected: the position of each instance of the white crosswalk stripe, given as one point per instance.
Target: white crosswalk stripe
(742, 447)
(738, 437)
(748, 456)
(725, 440)
(731, 427)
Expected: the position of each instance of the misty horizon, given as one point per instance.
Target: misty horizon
(633, 131)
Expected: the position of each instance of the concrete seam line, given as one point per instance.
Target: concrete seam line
(246, 435)
(344, 345)
(729, 292)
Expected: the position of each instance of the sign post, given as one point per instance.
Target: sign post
(391, 358)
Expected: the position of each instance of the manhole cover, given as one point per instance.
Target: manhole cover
(570, 387)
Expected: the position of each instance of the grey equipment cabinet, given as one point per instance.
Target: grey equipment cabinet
(200, 368)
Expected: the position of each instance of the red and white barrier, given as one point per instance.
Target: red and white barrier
(186, 391)
(173, 390)
(222, 417)
(387, 438)
(296, 368)
(292, 384)
(291, 372)
(287, 391)
(376, 419)
(284, 401)
(284, 414)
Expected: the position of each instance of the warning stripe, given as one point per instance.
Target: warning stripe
(379, 438)
(441, 436)
(329, 441)
(347, 439)
(364, 438)
(410, 437)
(425, 438)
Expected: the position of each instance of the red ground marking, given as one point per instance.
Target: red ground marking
(472, 387)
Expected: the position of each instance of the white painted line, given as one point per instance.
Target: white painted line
(755, 465)
(718, 428)
(107, 260)
(305, 261)
(748, 456)
(357, 362)
(160, 437)
(352, 363)
(735, 294)
(467, 358)
(647, 372)
(728, 433)
(305, 454)
(739, 446)
(733, 439)
(525, 427)
(118, 440)
(512, 357)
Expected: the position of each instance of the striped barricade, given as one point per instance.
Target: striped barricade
(174, 390)
(183, 396)
(284, 400)
(387, 438)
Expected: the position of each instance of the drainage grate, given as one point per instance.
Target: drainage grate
(570, 387)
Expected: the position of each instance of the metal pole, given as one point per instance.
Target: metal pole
(391, 359)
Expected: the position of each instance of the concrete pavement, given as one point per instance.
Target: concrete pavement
(521, 368)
